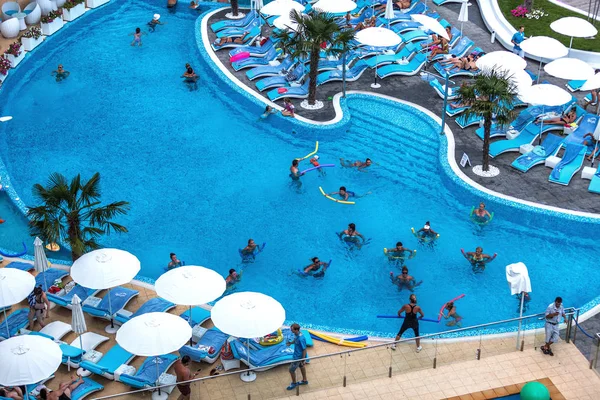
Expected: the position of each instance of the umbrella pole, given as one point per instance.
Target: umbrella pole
(541, 126)
(191, 324)
(157, 377)
(539, 71)
(110, 329)
(570, 45)
(6, 322)
(445, 103)
(374, 85)
(344, 75)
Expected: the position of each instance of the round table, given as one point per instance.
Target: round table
(21, 17)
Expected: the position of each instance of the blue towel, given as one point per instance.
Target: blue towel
(21, 266)
(264, 357)
(16, 320)
(49, 276)
(211, 338)
(85, 389)
(549, 145)
(119, 296)
(148, 373)
(66, 298)
(155, 304)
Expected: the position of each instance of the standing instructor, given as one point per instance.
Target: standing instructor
(411, 321)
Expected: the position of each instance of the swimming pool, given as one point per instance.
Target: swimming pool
(203, 174)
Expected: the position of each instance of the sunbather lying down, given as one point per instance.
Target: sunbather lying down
(467, 63)
(564, 119)
(240, 40)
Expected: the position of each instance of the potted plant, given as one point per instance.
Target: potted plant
(51, 23)
(14, 54)
(4, 67)
(73, 9)
(95, 3)
(31, 38)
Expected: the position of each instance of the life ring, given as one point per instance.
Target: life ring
(272, 339)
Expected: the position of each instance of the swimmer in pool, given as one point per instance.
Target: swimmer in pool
(345, 194)
(137, 37)
(194, 5)
(315, 266)
(478, 259)
(294, 172)
(232, 278)
(268, 111)
(189, 74)
(399, 249)
(155, 21)
(60, 73)
(426, 231)
(451, 308)
(404, 280)
(352, 235)
(481, 212)
(250, 248)
(358, 164)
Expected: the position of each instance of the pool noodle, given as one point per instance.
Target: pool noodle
(16, 254)
(310, 154)
(317, 167)
(338, 341)
(420, 319)
(354, 339)
(332, 199)
(444, 305)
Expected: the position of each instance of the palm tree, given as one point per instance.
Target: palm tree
(71, 212)
(314, 30)
(490, 95)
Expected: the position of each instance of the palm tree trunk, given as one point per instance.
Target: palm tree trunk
(234, 7)
(487, 128)
(312, 74)
(74, 237)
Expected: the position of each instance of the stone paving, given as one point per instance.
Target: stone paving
(532, 186)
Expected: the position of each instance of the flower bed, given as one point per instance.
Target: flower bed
(73, 9)
(5, 66)
(51, 23)
(31, 38)
(14, 54)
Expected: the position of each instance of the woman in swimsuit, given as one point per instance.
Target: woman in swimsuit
(359, 164)
(63, 392)
(478, 259)
(315, 266)
(352, 235)
(238, 40)
(137, 37)
(441, 49)
(564, 119)
(452, 314)
(481, 212)
(14, 393)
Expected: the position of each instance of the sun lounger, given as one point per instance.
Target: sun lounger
(16, 321)
(50, 276)
(217, 26)
(459, 50)
(148, 373)
(88, 387)
(294, 92)
(404, 26)
(119, 297)
(441, 2)
(366, 13)
(208, 348)
(570, 163)
(251, 37)
(155, 304)
(412, 68)
(72, 353)
(404, 54)
(414, 36)
(574, 85)
(252, 62)
(465, 121)
(352, 74)
(57, 330)
(109, 362)
(453, 72)
(594, 186)
(21, 266)
(64, 299)
(238, 31)
(507, 145)
(399, 16)
(270, 70)
(454, 111)
(549, 147)
(439, 89)
(328, 65)
(588, 124)
(255, 51)
(281, 80)
(199, 315)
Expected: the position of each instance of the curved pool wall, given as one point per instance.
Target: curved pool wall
(532, 216)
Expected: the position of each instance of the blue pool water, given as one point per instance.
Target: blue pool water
(203, 174)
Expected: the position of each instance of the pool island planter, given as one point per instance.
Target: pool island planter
(95, 3)
(73, 13)
(31, 43)
(15, 60)
(52, 27)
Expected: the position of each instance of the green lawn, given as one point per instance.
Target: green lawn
(541, 27)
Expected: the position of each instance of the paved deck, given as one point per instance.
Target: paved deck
(532, 186)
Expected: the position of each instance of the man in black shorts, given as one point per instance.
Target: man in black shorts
(411, 321)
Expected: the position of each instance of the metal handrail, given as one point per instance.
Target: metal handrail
(569, 311)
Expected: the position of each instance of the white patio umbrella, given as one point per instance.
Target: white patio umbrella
(152, 335)
(105, 269)
(281, 7)
(286, 23)
(4, 119)
(573, 27)
(334, 6)
(31, 358)
(389, 11)
(40, 262)
(463, 15)
(592, 83)
(190, 285)
(521, 80)
(15, 285)
(544, 47)
(248, 315)
(501, 60)
(544, 95)
(77, 320)
(431, 24)
(377, 37)
(569, 68)
(518, 280)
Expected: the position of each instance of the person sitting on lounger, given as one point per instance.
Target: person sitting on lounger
(442, 48)
(591, 143)
(564, 119)
(451, 308)
(12, 393)
(237, 40)
(437, 39)
(63, 392)
(469, 63)
(155, 21)
(404, 280)
(359, 164)
(399, 4)
(368, 23)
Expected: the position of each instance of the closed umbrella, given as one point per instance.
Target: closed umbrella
(248, 315)
(281, 7)
(569, 68)
(105, 269)
(518, 280)
(377, 37)
(431, 24)
(573, 27)
(40, 262)
(77, 320)
(334, 6)
(463, 15)
(501, 60)
(389, 12)
(544, 95)
(153, 335)
(15, 285)
(544, 47)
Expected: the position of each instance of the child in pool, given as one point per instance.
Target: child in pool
(137, 37)
(268, 111)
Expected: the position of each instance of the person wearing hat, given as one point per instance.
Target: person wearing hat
(426, 231)
(155, 21)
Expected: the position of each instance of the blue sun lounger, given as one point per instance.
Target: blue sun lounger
(452, 112)
(71, 355)
(327, 65)
(404, 26)
(16, 321)
(453, 72)
(64, 299)
(107, 365)
(588, 124)
(155, 304)
(269, 70)
(574, 85)
(50, 276)
(266, 356)
(571, 162)
(252, 62)
(255, 51)
(465, 121)
(199, 315)
(217, 26)
(208, 347)
(293, 92)
(21, 266)
(250, 37)
(407, 52)
(414, 36)
(412, 68)
(507, 145)
(88, 387)
(439, 89)
(549, 147)
(119, 297)
(148, 374)
(281, 80)
(441, 2)
(416, 8)
(238, 31)
(594, 186)
(460, 49)
(352, 74)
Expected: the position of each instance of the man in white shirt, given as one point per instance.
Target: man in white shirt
(553, 313)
